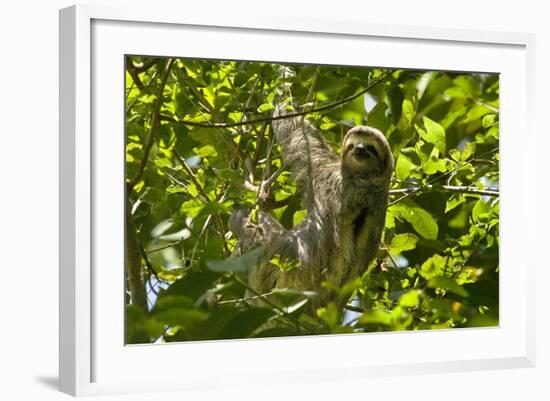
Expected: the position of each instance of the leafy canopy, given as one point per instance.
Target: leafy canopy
(199, 145)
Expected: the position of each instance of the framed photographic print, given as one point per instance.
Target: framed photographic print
(275, 197)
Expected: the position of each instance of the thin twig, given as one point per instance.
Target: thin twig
(202, 193)
(486, 105)
(391, 258)
(354, 308)
(268, 302)
(246, 299)
(192, 176)
(151, 80)
(205, 227)
(162, 248)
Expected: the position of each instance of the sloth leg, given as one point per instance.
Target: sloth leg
(269, 232)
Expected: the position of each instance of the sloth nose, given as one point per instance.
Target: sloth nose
(361, 148)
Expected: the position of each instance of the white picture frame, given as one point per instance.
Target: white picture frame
(93, 358)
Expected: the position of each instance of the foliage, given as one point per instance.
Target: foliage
(199, 146)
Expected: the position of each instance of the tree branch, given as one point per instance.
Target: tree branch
(132, 259)
(192, 176)
(262, 297)
(450, 188)
(144, 65)
(430, 182)
(354, 308)
(135, 77)
(281, 117)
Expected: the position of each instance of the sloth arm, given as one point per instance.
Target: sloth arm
(311, 160)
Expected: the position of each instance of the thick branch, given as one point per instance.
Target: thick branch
(135, 77)
(134, 269)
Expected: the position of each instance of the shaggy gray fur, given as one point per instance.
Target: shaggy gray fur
(346, 201)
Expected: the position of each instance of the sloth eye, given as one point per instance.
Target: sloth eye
(350, 146)
(372, 149)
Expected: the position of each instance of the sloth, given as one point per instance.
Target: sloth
(346, 197)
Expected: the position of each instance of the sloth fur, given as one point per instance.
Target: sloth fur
(346, 197)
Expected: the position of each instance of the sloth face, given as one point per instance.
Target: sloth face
(365, 151)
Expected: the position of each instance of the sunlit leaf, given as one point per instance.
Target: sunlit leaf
(403, 242)
(454, 201)
(433, 266)
(448, 284)
(403, 167)
(422, 222)
(434, 133)
(376, 317)
(410, 299)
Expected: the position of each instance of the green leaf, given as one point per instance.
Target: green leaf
(299, 216)
(230, 175)
(455, 92)
(447, 283)
(213, 208)
(154, 196)
(265, 107)
(407, 114)
(135, 330)
(238, 264)
(403, 167)
(376, 316)
(466, 83)
(162, 227)
(432, 166)
(330, 314)
(298, 305)
(191, 208)
(277, 332)
(176, 310)
(205, 136)
(488, 120)
(480, 210)
(403, 242)
(396, 97)
(434, 134)
(193, 285)
(377, 117)
(453, 202)
(410, 299)
(432, 267)
(422, 222)
(206, 151)
(245, 323)
(220, 101)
